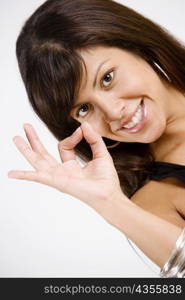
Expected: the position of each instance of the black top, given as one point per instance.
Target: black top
(162, 170)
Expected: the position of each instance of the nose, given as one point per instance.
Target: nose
(113, 110)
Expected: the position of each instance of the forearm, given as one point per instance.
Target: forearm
(153, 235)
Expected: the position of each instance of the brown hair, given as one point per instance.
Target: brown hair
(51, 67)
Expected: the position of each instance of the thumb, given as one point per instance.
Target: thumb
(95, 141)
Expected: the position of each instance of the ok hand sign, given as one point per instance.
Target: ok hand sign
(92, 183)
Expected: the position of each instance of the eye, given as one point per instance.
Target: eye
(82, 111)
(107, 78)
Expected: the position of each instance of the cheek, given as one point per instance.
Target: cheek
(156, 124)
(131, 86)
(138, 79)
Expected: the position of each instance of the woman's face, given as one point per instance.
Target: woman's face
(121, 96)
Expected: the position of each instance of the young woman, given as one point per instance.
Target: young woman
(109, 84)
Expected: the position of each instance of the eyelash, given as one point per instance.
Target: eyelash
(109, 72)
(85, 104)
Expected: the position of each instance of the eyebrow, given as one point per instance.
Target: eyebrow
(98, 69)
(94, 82)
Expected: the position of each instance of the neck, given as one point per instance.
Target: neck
(174, 134)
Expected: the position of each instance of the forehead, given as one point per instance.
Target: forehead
(97, 53)
(93, 56)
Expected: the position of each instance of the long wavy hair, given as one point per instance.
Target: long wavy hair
(51, 68)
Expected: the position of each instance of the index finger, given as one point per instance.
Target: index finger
(95, 141)
(66, 146)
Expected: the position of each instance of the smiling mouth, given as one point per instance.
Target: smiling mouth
(137, 121)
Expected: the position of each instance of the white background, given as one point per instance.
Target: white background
(44, 233)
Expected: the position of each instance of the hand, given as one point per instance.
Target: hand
(92, 183)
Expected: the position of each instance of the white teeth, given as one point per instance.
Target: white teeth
(130, 125)
(135, 119)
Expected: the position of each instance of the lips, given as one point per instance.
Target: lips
(141, 124)
(130, 116)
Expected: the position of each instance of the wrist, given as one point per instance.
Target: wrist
(114, 206)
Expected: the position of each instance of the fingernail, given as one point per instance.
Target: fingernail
(77, 130)
(14, 138)
(86, 124)
(10, 175)
(26, 125)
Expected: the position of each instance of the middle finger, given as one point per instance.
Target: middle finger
(33, 158)
(36, 144)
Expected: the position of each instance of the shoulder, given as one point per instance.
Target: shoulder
(164, 198)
